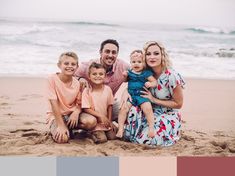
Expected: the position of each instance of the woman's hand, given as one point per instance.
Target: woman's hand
(147, 94)
(148, 84)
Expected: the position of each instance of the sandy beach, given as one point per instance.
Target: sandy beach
(207, 128)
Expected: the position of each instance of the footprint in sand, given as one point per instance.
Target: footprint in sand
(25, 97)
(231, 146)
(102, 152)
(150, 147)
(219, 134)
(126, 146)
(22, 99)
(32, 96)
(4, 97)
(37, 137)
(27, 132)
(44, 137)
(183, 121)
(222, 145)
(11, 115)
(187, 138)
(4, 101)
(28, 123)
(231, 149)
(39, 122)
(4, 105)
(198, 147)
(22, 130)
(199, 132)
(32, 137)
(31, 134)
(133, 148)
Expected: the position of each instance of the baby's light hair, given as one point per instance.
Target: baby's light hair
(138, 52)
(69, 54)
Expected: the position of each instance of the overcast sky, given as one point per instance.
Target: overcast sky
(196, 12)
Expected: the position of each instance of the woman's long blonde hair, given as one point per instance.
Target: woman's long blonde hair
(165, 60)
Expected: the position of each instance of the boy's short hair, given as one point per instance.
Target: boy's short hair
(111, 41)
(95, 65)
(69, 54)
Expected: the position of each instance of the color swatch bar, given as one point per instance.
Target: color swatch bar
(117, 166)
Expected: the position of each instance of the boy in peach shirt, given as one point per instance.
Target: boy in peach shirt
(97, 101)
(64, 98)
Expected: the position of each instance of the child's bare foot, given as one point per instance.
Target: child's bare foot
(119, 133)
(151, 133)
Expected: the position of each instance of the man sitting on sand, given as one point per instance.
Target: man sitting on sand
(114, 68)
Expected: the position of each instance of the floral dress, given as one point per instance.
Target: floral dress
(167, 121)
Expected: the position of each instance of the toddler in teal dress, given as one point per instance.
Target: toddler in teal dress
(137, 78)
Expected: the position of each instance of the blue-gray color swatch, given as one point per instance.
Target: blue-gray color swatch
(87, 166)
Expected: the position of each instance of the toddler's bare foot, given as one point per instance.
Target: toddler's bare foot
(119, 133)
(151, 133)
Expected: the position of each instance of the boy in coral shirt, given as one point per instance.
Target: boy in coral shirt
(64, 99)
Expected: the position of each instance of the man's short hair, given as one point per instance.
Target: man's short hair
(111, 41)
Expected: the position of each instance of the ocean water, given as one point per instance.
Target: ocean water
(33, 47)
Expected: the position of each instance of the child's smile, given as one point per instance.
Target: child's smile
(97, 76)
(68, 65)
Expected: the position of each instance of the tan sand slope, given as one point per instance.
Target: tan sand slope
(208, 128)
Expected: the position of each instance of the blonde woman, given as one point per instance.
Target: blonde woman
(166, 99)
